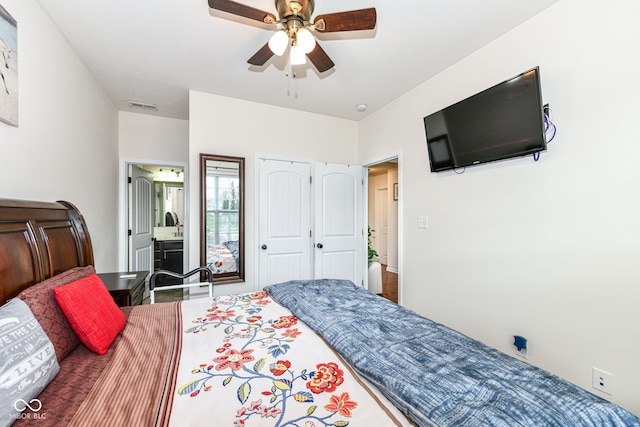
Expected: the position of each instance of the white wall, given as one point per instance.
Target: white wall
(147, 137)
(66, 145)
(547, 250)
(227, 126)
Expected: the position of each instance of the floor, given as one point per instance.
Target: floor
(166, 296)
(389, 284)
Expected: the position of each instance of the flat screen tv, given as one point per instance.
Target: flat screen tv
(498, 123)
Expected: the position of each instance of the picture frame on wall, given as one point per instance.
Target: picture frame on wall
(8, 68)
(395, 191)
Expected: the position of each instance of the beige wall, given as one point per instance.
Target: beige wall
(547, 250)
(67, 142)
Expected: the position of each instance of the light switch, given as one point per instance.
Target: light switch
(422, 222)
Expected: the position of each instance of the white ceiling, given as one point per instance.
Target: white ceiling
(154, 51)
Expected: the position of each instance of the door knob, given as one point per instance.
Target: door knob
(319, 246)
(263, 247)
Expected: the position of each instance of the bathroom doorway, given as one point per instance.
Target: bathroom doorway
(155, 209)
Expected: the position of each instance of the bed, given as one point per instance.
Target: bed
(301, 353)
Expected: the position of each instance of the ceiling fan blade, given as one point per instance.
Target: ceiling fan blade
(242, 10)
(320, 59)
(261, 56)
(362, 19)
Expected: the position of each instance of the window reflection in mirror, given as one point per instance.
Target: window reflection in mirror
(222, 216)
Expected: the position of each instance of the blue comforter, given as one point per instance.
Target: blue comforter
(436, 375)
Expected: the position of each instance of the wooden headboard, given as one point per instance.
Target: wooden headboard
(39, 240)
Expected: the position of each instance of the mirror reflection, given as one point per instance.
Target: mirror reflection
(222, 216)
(169, 202)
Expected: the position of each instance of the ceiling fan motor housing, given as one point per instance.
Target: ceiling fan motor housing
(300, 8)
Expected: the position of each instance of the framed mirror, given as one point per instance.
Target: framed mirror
(222, 216)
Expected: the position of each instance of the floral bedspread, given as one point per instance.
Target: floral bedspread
(247, 361)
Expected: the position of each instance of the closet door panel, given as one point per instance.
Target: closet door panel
(339, 230)
(284, 221)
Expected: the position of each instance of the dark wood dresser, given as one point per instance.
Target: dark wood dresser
(126, 288)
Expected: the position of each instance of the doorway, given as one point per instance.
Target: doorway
(383, 221)
(154, 200)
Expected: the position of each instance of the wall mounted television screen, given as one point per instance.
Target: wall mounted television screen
(498, 123)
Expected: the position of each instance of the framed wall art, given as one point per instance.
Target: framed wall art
(8, 68)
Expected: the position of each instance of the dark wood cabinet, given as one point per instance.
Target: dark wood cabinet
(167, 255)
(126, 288)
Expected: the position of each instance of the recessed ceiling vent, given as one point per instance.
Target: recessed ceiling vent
(150, 107)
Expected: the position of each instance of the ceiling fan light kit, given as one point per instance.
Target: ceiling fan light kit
(305, 40)
(278, 42)
(300, 38)
(294, 29)
(297, 56)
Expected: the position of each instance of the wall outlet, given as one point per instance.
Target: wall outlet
(602, 381)
(423, 222)
(523, 352)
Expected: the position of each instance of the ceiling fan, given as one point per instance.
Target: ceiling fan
(294, 25)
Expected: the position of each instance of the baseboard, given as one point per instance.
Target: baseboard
(392, 270)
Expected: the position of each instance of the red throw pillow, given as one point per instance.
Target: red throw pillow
(91, 312)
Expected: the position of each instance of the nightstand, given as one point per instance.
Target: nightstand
(126, 288)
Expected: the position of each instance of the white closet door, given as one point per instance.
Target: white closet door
(339, 218)
(140, 219)
(284, 221)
